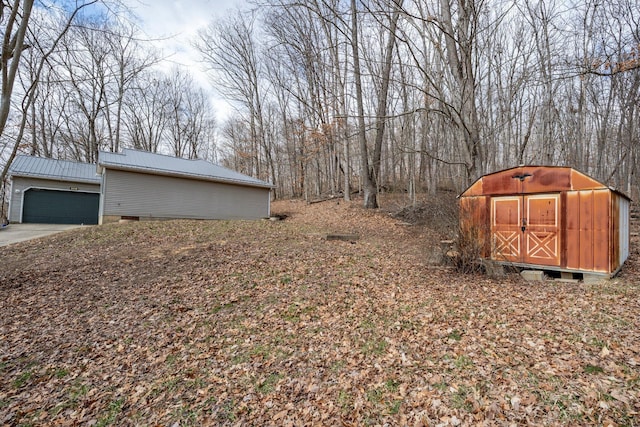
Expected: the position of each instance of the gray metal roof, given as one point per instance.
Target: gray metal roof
(44, 168)
(146, 162)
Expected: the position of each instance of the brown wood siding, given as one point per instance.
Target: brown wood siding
(588, 230)
(592, 228)
(602, 244)
(585, 225)
(474, 223)
(572, 230)
(156, 196)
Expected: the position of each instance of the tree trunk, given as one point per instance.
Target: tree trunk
(368, 185)
(381, 110)
(459, 47)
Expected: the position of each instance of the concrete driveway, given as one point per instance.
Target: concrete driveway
(14, 233)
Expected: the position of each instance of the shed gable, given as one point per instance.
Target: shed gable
(531, 180)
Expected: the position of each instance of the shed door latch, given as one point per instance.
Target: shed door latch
(524, 224)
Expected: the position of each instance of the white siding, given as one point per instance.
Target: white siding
(157, 196)
(623, 210)
(19, 185)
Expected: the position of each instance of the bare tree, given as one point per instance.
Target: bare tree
(460, 41)
(84, 63)
(189, 122)
(146, 111)
(128, 58)
(302, 66)
(370, 200)
(232, 55)
(239, 147)
(16, 18)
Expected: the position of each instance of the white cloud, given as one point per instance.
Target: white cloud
(178, 17)
(174, 25)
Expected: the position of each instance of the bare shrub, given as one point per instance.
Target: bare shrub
(469, 250)
(439, 213)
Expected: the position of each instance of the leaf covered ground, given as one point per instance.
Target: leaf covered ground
(269, 323)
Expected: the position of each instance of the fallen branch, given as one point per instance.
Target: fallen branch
(343, 237)
(332, 197)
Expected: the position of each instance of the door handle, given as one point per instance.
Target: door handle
(524, 224)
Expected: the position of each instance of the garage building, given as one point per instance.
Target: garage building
(53, 191)
(143, 185)
(131, 185)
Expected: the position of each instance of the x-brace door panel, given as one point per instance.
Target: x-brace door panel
(526, 229)
(542, 236)
(506, 237)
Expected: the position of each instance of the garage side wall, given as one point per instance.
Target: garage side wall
(20, 185)
(155, 196)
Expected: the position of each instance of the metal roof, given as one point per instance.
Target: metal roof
(159, 164)
(536, 179)
(44, 168)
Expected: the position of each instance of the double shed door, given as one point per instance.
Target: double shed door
(526, 229)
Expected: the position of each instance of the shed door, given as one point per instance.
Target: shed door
(526, 229)
(506, 234)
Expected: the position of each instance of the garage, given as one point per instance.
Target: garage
(131, 184)
(142, 185)
(51, 191)
(60, 207)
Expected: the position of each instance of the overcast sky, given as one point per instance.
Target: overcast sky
(176, 23)
(164, 17)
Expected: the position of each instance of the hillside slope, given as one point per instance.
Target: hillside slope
(268, 323)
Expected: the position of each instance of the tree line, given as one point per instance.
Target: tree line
(344, 96)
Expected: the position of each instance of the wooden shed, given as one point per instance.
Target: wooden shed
(546, 217)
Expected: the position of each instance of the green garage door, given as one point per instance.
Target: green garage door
(60, 207)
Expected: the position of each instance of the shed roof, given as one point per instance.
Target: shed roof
(159, 164)
(44, 168)
(534, 179)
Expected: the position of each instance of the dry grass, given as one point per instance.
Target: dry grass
(268, 323)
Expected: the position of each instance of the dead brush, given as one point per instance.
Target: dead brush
(467, 255)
